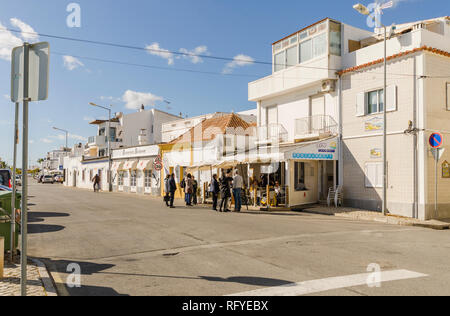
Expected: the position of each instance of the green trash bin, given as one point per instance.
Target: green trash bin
(5, 219)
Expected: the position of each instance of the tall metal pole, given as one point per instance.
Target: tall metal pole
(23, 261)
(385, 128)
(67, 136)
(13, 198)
(109, 151)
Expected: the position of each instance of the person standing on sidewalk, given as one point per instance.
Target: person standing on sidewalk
(172, 189)
(215, 190)
(96, 180)
(189, 190)
(195, 190)
(225, 191)
(167, 190)
(238, 184)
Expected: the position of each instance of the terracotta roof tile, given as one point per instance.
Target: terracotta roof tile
(210, 128)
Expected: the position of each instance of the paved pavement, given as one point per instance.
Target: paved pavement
(10, 284)
(132, 245)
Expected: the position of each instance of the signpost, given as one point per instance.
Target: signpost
(29, 82)
(436, 141)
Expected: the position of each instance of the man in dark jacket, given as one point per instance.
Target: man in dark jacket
(225, 189)
(173, 189)
(167, 190)
(215, 190)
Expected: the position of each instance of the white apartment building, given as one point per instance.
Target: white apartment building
(322, 105)
(54, 160)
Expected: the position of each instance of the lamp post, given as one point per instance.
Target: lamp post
(365, 11)
(109, 142)
(64, 131)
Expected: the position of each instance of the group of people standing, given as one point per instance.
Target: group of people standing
(226, 186)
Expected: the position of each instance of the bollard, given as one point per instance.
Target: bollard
(2, 255)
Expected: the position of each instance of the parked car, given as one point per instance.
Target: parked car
(59, 179)
(48, 179)
(18, 180)
(5, 188)
(5, 178)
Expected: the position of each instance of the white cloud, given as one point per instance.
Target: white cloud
(72, 63)
(28, 33)
(7, 96)
(78, 137)
(7, 42)
(31, 141)
(240, 60)
(133, 100)
(155, 49)
(46, 140)
(88, 119)
(63, 137)
(192, 55)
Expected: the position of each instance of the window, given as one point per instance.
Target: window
(147, 178)
(335, 38)
(291, 56)
(120, 179)
(300, 179)
(319, 45)
(375, 101)
(133, 176)
(279, 61)
(306, 51)
(448, 96)
(374, 175)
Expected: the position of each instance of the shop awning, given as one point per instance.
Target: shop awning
(191, 169)
(227, 164)
(130, 165)
(145, 164)
(205, 168)
(117, 165)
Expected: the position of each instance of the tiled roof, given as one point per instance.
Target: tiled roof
(380, 61)
(210, 128)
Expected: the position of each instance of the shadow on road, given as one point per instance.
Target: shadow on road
(43, 228)
(66, 268)
(39, 217)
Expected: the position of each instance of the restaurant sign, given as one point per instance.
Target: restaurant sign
(324, 150)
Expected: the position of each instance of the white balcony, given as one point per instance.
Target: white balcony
(295, 77)
(315, 127)
(99, 141)
(271, 134)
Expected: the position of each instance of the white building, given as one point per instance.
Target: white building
(54, 160)
(322, 103)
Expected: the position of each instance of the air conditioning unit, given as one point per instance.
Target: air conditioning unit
(328, 86)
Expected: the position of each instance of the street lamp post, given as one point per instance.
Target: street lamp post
(64, 131)
(109, 142)
(365, 11)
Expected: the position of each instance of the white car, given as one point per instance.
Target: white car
(18, 180)
(48, 179)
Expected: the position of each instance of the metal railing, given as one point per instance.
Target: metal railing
(316, 125)
(272, 133)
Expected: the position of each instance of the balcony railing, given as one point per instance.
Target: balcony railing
(271, 134)
(315, 126)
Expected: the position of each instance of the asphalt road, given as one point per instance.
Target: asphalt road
(132, 245)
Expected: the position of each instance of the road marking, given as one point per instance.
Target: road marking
(322, 285)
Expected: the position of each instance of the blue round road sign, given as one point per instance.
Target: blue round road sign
(436, 140)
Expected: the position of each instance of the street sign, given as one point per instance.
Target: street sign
(437, 153)
(38, 72)
(436, 140)
(158, 165)
(446, 170)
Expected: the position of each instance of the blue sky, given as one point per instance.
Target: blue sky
(227, 28)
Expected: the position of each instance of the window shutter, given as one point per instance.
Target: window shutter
(391, 98)
(361, 104)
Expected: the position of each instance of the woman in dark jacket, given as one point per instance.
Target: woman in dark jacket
(225, 190)
(215, 190)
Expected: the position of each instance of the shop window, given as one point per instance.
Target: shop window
(147, 178)
(300, 176)
(133, 176)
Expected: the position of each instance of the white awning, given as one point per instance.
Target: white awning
(130, 165)
(145, 164)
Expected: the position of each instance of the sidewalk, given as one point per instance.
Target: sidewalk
(38, 284)
(357, 214)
